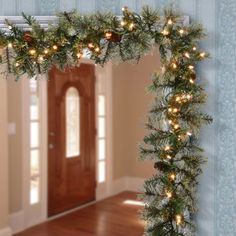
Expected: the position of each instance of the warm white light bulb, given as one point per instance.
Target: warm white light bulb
(178, 219)
(165, 32)
(131, 26)
(97, 49)
(123, 23)
(202, 54)
(187, 55)
(40, 58)
(188, 96)
(191, 81)
(169, 22)
(10, 45)
(175, 110)
(177, 99)
(174, 65)
(176, 126)
(191, 67)
(189, 133)
(172, 176)
(167, 148)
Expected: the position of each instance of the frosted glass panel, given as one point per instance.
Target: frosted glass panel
(101, 149)
(34, 134)
(33, 86)
(34, 176)
(101, 127)
(72, 123)
(34, 107)
(34, 163)
(101, 105)
(101, 172)
(34, 190)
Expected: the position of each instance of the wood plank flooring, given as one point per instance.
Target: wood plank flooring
(110, 217)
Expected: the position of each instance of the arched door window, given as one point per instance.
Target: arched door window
(72, 102)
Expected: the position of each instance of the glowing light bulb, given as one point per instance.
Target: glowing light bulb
(188, 96)
(181, 31)
(167, 148)
(165, 32)
(125, 8)
(194, 48)
(177, 99)
(91, 45)
(10, 45)
(187, 55)
(172, 176)
(174, 65)
(41, 59)
(10, 27)
(170, 121)
(169, 194)
(176, 126)
(97, 49)
(169, 22)
(123, 23)
(32, 51)
(131, 26)
(175, 110)
(17, 64)
(55, 47)
(79, 55)
(108, 35)
(46, 51)
(191, 67)
(191, 81)
(189, 133)
(178, 219)
(168, 157)
(170, 109)
(202, 54)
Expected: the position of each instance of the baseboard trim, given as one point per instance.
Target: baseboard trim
(127, 183)
(17, 222)
(6, 231)
(134, 184)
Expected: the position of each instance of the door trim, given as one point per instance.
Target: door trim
(35, 215)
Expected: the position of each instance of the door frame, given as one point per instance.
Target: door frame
(35, 214)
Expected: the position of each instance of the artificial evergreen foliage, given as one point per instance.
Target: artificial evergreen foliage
(174, 121)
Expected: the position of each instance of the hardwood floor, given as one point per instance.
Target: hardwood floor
(110, 217)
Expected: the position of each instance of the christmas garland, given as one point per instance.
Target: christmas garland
(175, 119)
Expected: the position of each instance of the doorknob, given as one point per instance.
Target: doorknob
(51, 146)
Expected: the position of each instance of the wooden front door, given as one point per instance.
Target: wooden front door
(71, 137)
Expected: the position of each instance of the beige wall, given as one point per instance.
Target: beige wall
(131, 104)
(15, 145)
(3, 155)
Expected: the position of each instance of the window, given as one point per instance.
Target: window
(72, 123)
(101, 138)
(34, 143)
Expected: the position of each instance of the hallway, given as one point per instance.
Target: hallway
(115, 216)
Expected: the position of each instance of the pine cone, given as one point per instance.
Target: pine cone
(27, 37)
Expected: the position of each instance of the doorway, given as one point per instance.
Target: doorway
(71, 138)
